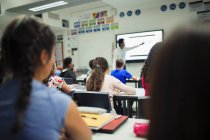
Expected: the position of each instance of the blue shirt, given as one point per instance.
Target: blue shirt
(44, 116)
(121, 74)
(57, 72)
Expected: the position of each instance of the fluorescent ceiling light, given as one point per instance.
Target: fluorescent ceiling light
(47, 6)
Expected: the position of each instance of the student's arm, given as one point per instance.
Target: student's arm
(75, 126)
(65, 88)
(122, 87)
(127, 74)
(133, 47)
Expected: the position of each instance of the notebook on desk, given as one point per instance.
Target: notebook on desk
(96, 121)
(113, 125)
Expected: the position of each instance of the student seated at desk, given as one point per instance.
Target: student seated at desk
(180, 95)
(146, 70)
(120, 73)
(29, 110)
(100, 80)
(67, 71)
(57, 82)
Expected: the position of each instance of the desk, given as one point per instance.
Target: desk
(125, 132)
(127, 101)
(137, 82)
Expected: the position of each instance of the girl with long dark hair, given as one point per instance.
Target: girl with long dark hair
(29, 109)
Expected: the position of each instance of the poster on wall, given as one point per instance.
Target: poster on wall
(105, 27)
(89, 29)
(207, 5)
(97, 28)
(114, 26)
(81, 30)
(100, 21)
(84, 23)
(196, 5)
(109, 20)
(77, 24)
(74, 32)
(203, 15)
(95, 15)
(103, 14)
(92, 22)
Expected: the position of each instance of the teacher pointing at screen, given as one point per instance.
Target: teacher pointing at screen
(120, 52)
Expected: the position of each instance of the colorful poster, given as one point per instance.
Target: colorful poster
(95, 15)
(109, 20)
(74, 32)
(84, 23)
(92, 22)
(97, 28)
(77, 24)
(100, 21)
(89, 29)
(81, 30)
(103, 14)
(114, 26)
(105, 27)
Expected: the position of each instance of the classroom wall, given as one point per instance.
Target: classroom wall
(91, 45)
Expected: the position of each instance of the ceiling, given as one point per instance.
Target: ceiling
(22, 6)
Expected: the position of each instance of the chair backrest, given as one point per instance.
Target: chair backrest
(69, 81)
(93, 99)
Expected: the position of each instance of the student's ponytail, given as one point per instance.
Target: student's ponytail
(21, 47)
(26, 77)
(96, 79)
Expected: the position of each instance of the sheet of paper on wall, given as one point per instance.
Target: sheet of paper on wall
(207, 5)
(196, 5)
(203, 15)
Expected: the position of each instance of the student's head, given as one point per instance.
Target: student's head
(146, 70)
(96, 79)
(27, 52)
(121, 43)
(119, 63)
(67, 62)
(91, 63)
(180, 94)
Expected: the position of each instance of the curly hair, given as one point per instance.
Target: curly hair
(95, 81)
(21, 45)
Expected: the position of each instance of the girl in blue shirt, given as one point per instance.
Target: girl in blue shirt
(29, 109)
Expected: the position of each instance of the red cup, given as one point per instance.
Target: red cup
(141, 129)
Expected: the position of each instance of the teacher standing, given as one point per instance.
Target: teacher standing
(120, 52)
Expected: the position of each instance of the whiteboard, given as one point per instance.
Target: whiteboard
(146, 40)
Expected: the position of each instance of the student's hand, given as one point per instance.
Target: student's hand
(116, 90)
(135, 78)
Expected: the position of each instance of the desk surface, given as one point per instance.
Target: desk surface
(125, 132)
(140, 93)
